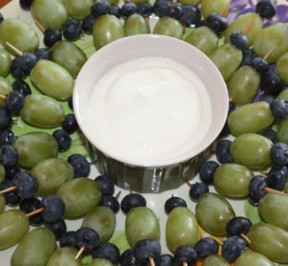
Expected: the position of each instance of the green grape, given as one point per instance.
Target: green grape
(14, 224)
(250, 118)
(2, 173)
(273, 210)
(102, 219)
(141, 222)
(101, 262)
(169, 26)
(68, 55)
(250, 257)
(59, 87)
(232, 180)
(64, 256)
(34, 147)
(219, 6)
(113, 2)
(282, 131)
(136, 24)
(270, 241)
(227, 58)
(181, 228)
(139, 1)
(35, 248)
(106, 29)
(243, 85)
(190, 2)
(79, 195)
(5, 63)
(213, 212)
(273, 35)
(51, 14)
(203, 38)
(252, 150)
(42, 111)
(241, 23)
(281, 67)
(5, 89)
(78, 9)
(283, 94)
(2, 203)
(18, 33)
(51, 174)
(214, 260)
(286, 188)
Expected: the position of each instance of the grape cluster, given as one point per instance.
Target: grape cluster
(252, 59)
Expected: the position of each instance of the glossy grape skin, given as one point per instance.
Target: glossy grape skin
(65, 257)
(103, 220)
(213, 212)
(101, 262)
(2, 204)
(232, 180)
(141, 222)
(274, 34)
(252, 150)
(241, 23)
(51, 174)
(243, 85)
(273, 209)
(19, 34)
(79, 195)
(282, 131)
(214, 260)
(227, 58)
(283, 94)
(41, 241)
(42, 111)
(68, 55)
(203, 38)
(78, 9)
(169, 26)
(5, 89)
(51, 14)
(190, 2)
(250, 118)
(13, 226)
(281, 67)
(136, 24)
(250, 257)
(209, 7)
(60, 87)
(181, 228)
(107, 28)
(5, 62)
(269, 240)
(34, 147)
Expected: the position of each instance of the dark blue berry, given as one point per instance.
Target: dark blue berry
(21, 86)
(16, 70)
(42, 53)
(270, 134)
(128, 9)
(1, 17)
(128, 258)
(248, 56)
(279, 154)
(238, 225)
(27, 61)
(63, 139)
(166, 260)
(5, 118)
(186, 254)
(233, 247)
(12, 198)
(206, 246)
(54, 208)
(216, 22)
(110, 202)
(29, 205)
(11, 172)
(115, 11)
(276, 179)
(88, 23)
(257, 186)
(174, 202)
(72, 30)
(174, 10)
(146, 248)
(271, 83)
(100, 8)
(260, 64)
(8, 155)
(88, 238)
(266, 8)
(144, 9)
(107, 251)
(223, 154)
(197, 189)
(106, 184)
(190, 15)
(26, 184)
(25, 4)
(80, 165)
(132, 200)
(266, 98)
(207, 170)
(239, 40)
(52, 36)
(279, 108)
(15, 101)
(160, 7)
(69, 239)
(59, 228)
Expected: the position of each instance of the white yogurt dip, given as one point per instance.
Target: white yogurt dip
(148, 110)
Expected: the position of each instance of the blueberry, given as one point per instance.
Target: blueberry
(12, 198)
(29, 205)
(197, 189)
(5, 118)
(100, 8)
(88, 23)
(52, 36)
(80, 165)
(276, 179)
(16, 70)
(190, 15)
(248, 57)
(69, 239)
(166, 260)
(257, 186)
(8, 155)
(279, 108)
(207, 170)
(266, 8)
(206, 246)
(279, 154)
(11, 172)
(88, 238)
(223, 154)
(59, 228)
(63, 139)
(107, 251)
(128, 258)
(266, 98)
(106, 184)
(110, 202)
(146, 248)
(72, 30)
(216, 22)
(1, 17)
(271, 83)
(115, 11)
(238, 225)
(128, 9)
(21, 86)
(132, 200)
(27, 61)
(144, 9)
(174, 202)
(15, 101)
(25, 4)
(160, 7)
(260, 64)
(233, 247)
(186, 254)
(43, 53)
(239, 40)
(54, 208)
(26, 184)
(174, 10)
(270, 134)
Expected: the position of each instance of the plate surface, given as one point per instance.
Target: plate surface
(154, 201)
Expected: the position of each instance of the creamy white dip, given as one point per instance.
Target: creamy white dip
(149, 110)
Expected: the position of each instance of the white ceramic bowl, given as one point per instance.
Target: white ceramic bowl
(155, 172)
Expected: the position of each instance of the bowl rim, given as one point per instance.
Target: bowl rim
(143, 38)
